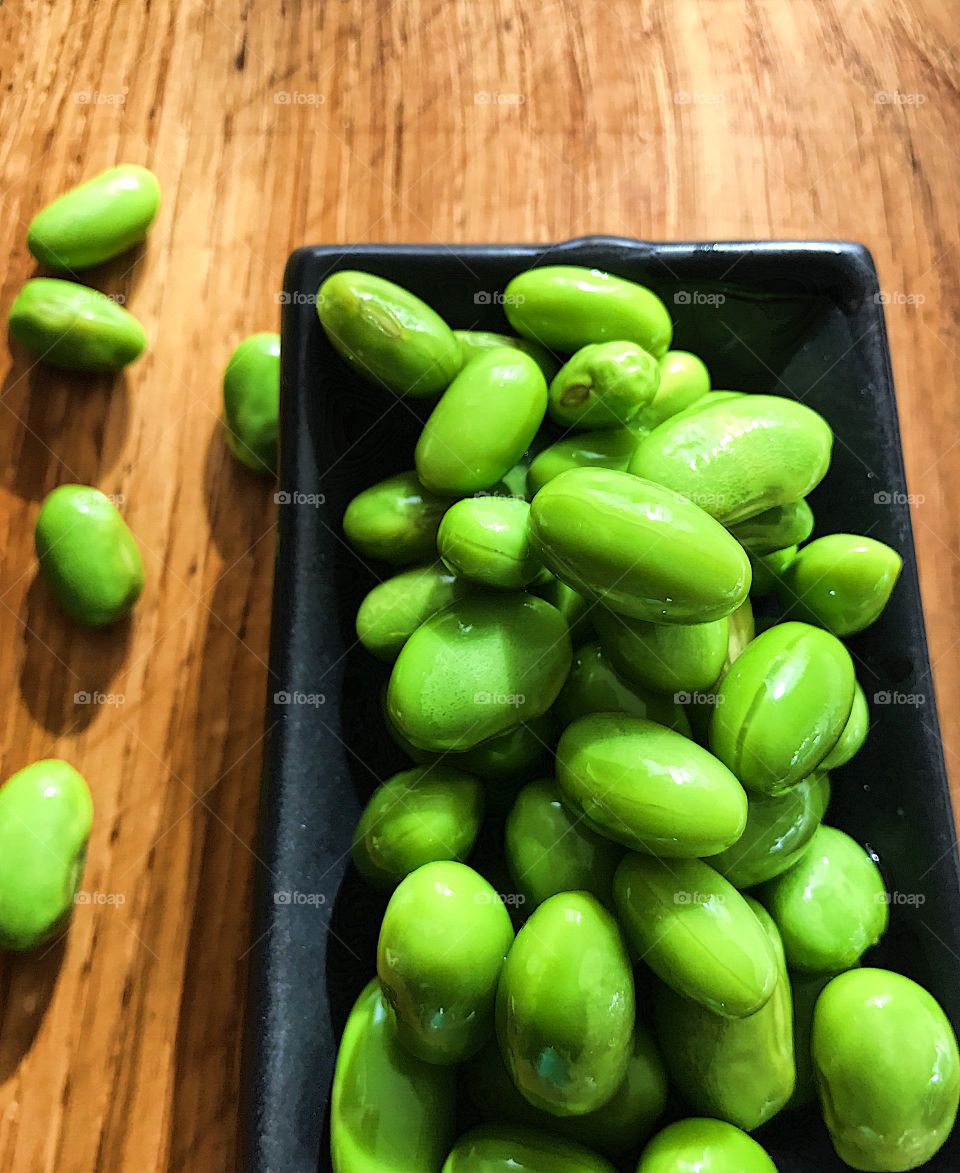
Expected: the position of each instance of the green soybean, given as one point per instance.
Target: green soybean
(738, 1069)
(251, 402)
(567, 307)
(508, 758)
(841, 582)
(782, 706)
(779, 826)
(395, 608)
(707, 401)
(684, 380)
(442, 944)
(396, 520)
(696, 932)
(887, 1070)
(742, 629)
(388, 334)
(606, 448)
(565, 1006)
(388, 1110)
(483, 423)
(642, 550)
(45, 817)
(513, 755)
(830, 906)
(648, 787)
(476, 669)
(96, 220)
(74, 327)
(667, 658)
(88, 557)
(626, 1120)
(704, 1146)
(570, 603)
(775, 529)
(418, 816)
(768, 569)
(593, 686)
(806, 989)
(549, 851)
(739, 457)
(486, 540)
(854, 733)
(474, 342)
(514, 480)
(603, 386)
(495, 1149)
(615, 1128)
(700, 702)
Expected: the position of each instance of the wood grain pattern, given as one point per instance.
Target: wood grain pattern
(275, 125)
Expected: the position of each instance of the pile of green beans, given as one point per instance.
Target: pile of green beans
(88, 558)
(566, 612)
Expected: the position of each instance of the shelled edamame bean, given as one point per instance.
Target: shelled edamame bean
(395, 520)
(603, 386)
(841, 582)
(388, 1110)
(703, 1145)
(887, 1070)
(567, 1042)
(418, 816)
(620, 1126)
(88, 557)
(443, 942)
(251, 402)
(738, 457)
(388, 334)
(74, 327)
(45, 817)
(474, 342)
(96, 220)
(650, 870)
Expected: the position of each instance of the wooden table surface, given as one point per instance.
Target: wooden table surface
(273, 125)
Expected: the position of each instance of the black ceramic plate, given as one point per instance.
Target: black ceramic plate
(796, 319)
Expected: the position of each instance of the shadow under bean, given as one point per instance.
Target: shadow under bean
(67, 669)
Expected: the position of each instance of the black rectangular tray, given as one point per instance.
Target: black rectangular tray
(799, 319)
